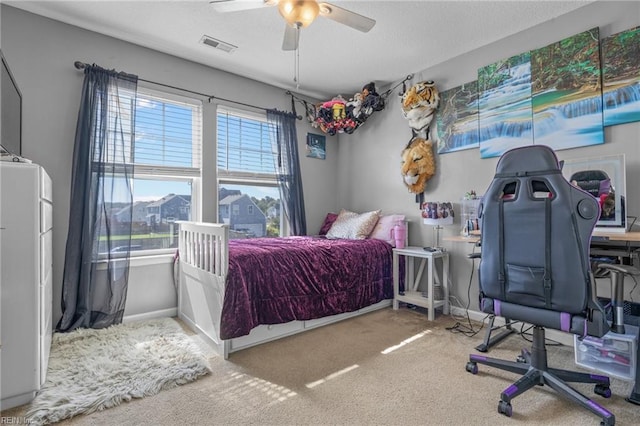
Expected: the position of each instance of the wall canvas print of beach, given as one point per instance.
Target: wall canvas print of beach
(504, 105)
(566, 92)
(621, 77)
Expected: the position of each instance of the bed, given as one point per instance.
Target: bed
(239, 293)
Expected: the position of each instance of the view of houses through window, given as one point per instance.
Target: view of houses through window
(153, 218)
(250, 211)
(166, 158)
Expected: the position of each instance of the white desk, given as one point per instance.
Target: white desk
(411, 295)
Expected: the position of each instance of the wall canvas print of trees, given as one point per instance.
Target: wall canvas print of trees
(621, 77)
(457, 118)
(566, 92)
(504, 105)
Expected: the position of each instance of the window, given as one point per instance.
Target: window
(166, 158)
(167, 165)
(246, 175)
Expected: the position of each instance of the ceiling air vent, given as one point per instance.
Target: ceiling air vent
(218, 44)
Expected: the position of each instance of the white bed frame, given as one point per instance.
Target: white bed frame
(203, 265)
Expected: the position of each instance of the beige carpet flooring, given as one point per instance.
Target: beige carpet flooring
(346, 374)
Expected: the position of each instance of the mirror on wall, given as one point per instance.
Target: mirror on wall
(605, 179)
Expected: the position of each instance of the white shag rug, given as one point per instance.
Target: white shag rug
(91, 370)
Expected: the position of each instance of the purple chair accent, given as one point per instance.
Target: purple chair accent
(511, 390)
(565, 321)
(603, 411)
(497, 307)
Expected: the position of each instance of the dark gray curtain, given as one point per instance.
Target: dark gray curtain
(96, 267)
(285, 141)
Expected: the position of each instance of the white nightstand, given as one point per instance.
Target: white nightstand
(411, 295)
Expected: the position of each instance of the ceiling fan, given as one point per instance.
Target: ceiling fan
(298, 14)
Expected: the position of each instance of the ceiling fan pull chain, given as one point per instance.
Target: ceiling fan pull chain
(298, 68)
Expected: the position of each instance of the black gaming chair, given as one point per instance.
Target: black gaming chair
(536, 230)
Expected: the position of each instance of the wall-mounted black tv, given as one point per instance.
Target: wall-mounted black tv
(10, 111)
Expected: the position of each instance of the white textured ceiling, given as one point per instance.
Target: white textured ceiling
(408, 37)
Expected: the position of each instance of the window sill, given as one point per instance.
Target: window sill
(135, 261)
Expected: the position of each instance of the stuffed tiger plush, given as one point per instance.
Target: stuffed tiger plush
(418, 164)
(419, 105)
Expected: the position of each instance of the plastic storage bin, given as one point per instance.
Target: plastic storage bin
(469, 216)
(613, 354)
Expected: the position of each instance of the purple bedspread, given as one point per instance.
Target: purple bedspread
(277, 280)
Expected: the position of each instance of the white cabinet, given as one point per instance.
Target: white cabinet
(25, 280)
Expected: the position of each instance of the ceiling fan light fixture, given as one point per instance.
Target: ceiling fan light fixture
(298, 12)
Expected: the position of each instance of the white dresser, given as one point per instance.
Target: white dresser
(25, 280)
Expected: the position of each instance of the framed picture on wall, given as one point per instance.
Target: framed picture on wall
(316, 146)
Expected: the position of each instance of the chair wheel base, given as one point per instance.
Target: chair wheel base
(602, 390)
(472, 367)
(505, 408)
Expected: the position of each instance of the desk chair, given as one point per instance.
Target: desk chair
(534, 267)
(491, 339)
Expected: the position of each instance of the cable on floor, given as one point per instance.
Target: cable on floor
(467, 328)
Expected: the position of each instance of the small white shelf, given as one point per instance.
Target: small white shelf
(411, 294)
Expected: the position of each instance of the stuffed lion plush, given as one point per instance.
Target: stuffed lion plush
(419, 105)
(418, 164)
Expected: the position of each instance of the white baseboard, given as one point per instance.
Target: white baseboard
(163, 313)
(555, 335)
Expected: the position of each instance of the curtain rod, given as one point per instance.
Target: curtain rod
(81, 65)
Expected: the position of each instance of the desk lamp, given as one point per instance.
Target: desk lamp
(437, 214)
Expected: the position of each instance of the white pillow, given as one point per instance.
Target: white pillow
(382, 230)
(353, 226)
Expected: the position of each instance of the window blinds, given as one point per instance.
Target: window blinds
(244, 145)
(168, 134)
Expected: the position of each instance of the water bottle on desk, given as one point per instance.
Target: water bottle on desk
(399, 234)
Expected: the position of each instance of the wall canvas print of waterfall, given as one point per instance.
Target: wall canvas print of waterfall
(566, 93)
(457, 118)
(504, 105)
(621, 77)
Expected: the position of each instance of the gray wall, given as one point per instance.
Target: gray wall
(370, 157)
(41, 53)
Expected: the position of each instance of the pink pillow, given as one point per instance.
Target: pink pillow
(328, 221)
(382, 230)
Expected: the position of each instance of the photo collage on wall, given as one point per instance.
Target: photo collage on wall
(561, 95)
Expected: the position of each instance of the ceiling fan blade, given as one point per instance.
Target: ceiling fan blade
(291, 38)
(223, 6)
(346, 17)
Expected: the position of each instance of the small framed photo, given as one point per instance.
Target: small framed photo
(316, 146)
